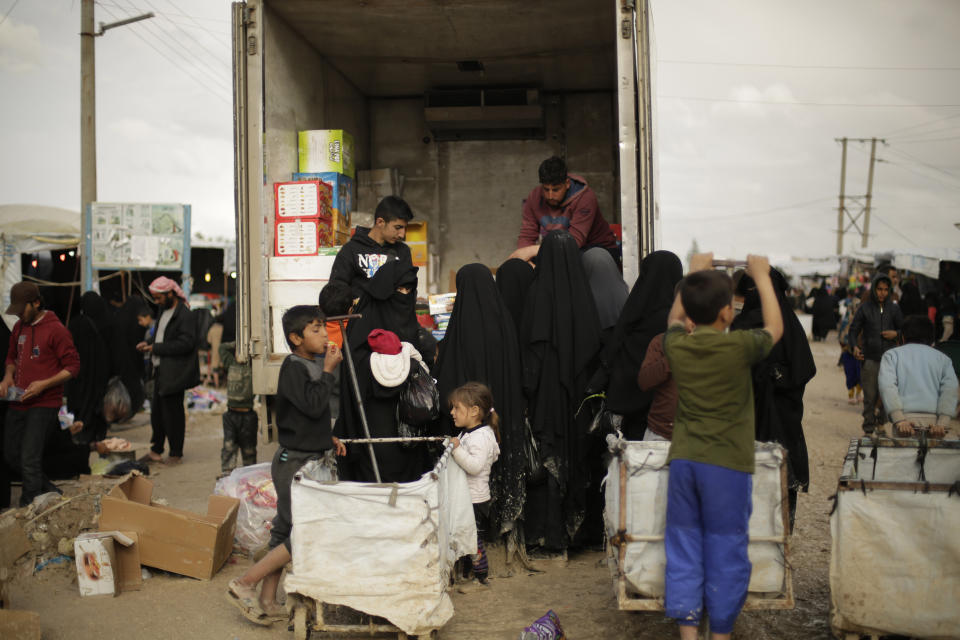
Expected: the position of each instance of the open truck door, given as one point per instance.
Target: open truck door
(639, 207)
(464, 118)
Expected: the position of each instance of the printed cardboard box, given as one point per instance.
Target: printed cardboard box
(190, 544)
(342, 186)
(325, 150)
(108, 562)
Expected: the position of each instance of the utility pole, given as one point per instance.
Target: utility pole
(843, 186)
(88, 127)
(865, 201)
(88, 136)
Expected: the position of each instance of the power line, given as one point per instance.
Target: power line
(922, 175)
(804, 66)
(925, 164)
(193, 19)
(952, 127)
(9, 11)
(180, 15)
(186, 70)
(802, 103)
(922, 124)
(179, 50)
(788, 207)
(894, 229)
(214, 55)
(921, 140)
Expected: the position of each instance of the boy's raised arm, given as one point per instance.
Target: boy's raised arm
(758, 268)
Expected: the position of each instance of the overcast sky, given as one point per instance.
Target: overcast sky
(751, 96)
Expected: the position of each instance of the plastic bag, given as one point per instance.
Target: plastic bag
(546, 627)
(116, 402)
(253, 486)
(420, 399)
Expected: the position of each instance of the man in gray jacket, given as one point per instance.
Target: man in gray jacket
(876, 326)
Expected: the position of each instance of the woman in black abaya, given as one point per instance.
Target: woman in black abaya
(388, 302)
(824, 310)
(481, 345)
(644, 316)
(514, 278)
(93, 333)
(779, 381)
(560, 341)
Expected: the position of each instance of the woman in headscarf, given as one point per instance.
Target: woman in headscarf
(911, 304)
(559, 342)
(93, 335)
(607, 285)
(388, 302)
(824, 310)
(779, 381)
(481, 345)
(514, 278)
(644, 316)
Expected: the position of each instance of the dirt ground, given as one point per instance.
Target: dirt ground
(581, 592)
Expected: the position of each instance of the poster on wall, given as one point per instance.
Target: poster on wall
(139, 236)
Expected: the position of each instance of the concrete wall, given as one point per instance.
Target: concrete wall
(471, 192)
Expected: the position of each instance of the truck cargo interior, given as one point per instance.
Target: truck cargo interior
(463, 99)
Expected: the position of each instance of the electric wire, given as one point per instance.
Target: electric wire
(804, 66)
(179, 15)
(198, 79)
(9, 11)
(194, 20)
(917, 126)
(782, 208)
(218, 57)
(923, 163)
(805, 103)
(195, 62)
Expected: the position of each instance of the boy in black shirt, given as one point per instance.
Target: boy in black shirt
(369, 249)
(305, 433)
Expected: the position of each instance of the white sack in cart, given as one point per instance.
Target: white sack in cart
(648, 474)
(386, 550)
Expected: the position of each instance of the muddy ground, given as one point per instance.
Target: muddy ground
(581, 591)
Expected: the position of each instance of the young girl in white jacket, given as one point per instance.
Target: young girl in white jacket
(471, 406)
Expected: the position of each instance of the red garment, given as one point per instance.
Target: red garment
(579, 214)
(41, 351)
(655, 375)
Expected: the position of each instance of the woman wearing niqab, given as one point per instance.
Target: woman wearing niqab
(388, 302)
(481, 345)
(644, 316)
(93, 334)
(514, 278)
(559, 342)
(779, 381)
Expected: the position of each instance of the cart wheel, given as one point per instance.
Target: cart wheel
(301, 626)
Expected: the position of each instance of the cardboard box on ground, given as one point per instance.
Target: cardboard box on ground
(182, 542)
(108, 562)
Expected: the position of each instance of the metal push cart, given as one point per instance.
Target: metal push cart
(635, 516)
(895, 555)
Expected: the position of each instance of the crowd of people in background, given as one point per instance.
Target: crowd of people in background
(556, 350)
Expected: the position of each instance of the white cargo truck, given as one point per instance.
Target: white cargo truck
(462, 101)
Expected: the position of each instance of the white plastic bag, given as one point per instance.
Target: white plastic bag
(253, 486)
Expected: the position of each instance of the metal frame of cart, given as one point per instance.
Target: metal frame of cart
(858, 481)
(619, 542)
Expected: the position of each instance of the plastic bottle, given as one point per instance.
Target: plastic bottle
(66, 418)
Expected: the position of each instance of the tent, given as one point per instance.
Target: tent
(29, 228)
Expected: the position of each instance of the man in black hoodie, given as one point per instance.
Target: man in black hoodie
(369, 249)
(878, 320)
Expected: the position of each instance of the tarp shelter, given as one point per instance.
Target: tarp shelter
(29, 228)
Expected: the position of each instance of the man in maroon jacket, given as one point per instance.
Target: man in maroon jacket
(562, 201)
(40, 359)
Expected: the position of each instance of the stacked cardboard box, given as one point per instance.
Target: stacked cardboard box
(302, 219)
(342, 186)
(326, 150)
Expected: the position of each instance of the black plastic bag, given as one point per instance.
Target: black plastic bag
(420, 398)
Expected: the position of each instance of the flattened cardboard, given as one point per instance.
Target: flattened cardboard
(19, 625)
(13, 543)
(182, 542)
